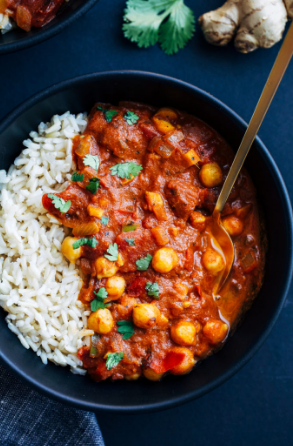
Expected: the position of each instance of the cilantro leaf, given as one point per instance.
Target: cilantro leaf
(152, 289)
(77, 176)
(105, 221)
(101, 109)
(93, 185)
(169, 22)
(91, 161)
(131, 118)
(59, 203)
(97, 305)
(109, 114)
(143, 264)
(112, 253)
(102, 293)
(126, 328)
(177, 30)
(92, 242)
(98, 302)
(125, 170)
(113, 359)
(130, 241)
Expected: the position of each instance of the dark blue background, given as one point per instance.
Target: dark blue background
(255, 406)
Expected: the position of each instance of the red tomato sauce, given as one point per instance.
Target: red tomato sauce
(164, 208)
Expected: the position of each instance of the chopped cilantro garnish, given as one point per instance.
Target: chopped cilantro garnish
(169, 22)
(130, 241)
(91, 161)
(143, 264)
(93, 185)
(125, 170)
(77, 176)
(113, 359)
(152, 289)
(126, 328)
(112, 253)
(109, 114)
(92, 242)
(98, 302)
(59, 203)
(131, 118)
(105, 221)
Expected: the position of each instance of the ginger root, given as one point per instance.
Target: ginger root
(256, 23)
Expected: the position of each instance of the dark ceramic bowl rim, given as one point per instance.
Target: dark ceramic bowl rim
(171, 402)
(44, 34)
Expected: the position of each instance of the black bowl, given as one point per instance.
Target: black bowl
(17, 39)
(79, 95)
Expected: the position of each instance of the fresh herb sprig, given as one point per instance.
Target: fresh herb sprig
(91, 161)
(60, 204)
(144, 263)
(131, 118)
(126, 328)
(77, 176)
(109, 114)
(169, 22)
(130, 241)
(92, 242)
(152, 289)
(93, 185)
(126, 170)
(98, 302)
(113, 359)
(105, 221)
(112, 253)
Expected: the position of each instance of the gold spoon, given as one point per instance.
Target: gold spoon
(215, 227)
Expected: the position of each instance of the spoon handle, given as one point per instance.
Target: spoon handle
(264, 102)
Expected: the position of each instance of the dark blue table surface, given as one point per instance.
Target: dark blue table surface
(255, 407)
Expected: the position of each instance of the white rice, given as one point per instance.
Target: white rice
(38, 287)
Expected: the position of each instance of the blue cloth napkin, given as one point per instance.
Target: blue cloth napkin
(30, 419)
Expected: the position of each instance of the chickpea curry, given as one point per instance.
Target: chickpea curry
(145, 185)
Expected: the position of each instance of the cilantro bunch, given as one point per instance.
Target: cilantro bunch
(169, 22)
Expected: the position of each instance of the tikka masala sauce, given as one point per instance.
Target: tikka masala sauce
(159, 215)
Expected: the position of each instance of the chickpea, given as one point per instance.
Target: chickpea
(164, 260)
(211, 175)
(67, 249)
(198, 220)
(152, 375)
(115, 286)
(133, 377)
(105, 268)
(145, 315)
(184, 332)
(213, 261)
(215, 331)
(233, 225)
(101, 321)
(187, 362)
